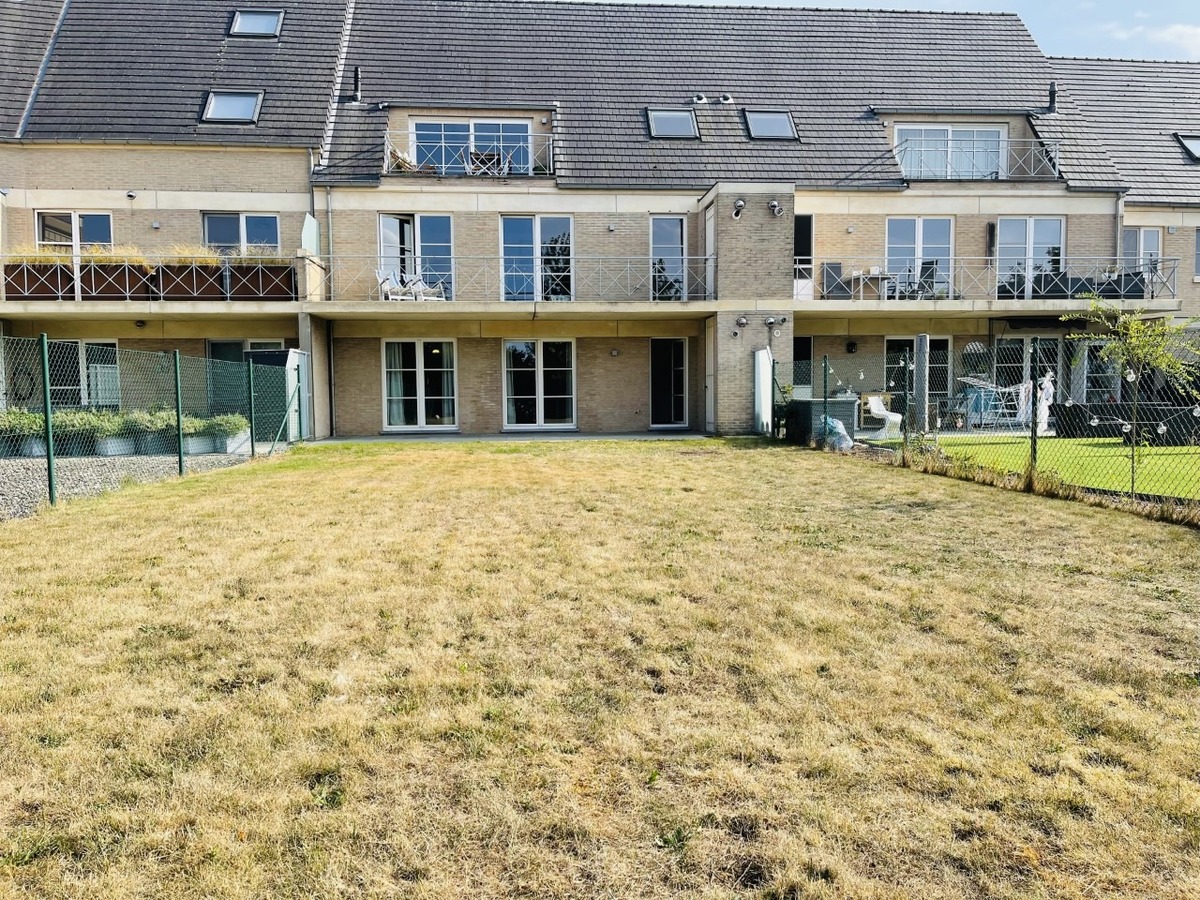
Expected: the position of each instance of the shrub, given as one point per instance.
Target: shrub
(228, 425)
(258, 255)
(149, 422)
(192, 425)
(75, 422)
(39, 256)
(104, 255)
(21, 423)
(110, 424)
(191, 254)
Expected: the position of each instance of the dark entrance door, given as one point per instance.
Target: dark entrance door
(668, 383)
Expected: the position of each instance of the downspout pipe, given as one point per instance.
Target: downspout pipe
(329, 282)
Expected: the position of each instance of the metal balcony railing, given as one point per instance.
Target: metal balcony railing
(521, 279)
(496, 156)
(965, 278)
(108, 277)
(978, 160)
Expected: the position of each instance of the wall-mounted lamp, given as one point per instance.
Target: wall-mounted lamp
(738, 206)
(770, 322)
(775, 208)
(132, 195)
(742, 322)
(851, 346)
(614, 352)
(140, 323)
(849, 229)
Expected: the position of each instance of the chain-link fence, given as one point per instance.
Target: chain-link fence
(1053, 414)
(120, 414)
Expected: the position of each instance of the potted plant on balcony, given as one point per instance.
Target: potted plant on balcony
(230, 433)
(260, 273)
(113, 273)
(191, 272)
(114, 436)
(74, 432)
(153, 432)
(21, 433)
(39, 273)
(196, 439)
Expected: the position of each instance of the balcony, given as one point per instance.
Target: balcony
(492, 156)
(966, 280)
(46, 277)
(995, 159)
(464, 279)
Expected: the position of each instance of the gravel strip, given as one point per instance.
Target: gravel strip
(23, 481)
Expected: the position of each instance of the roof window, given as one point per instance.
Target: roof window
(770, 123)
(1191, 143)
(232, 106)
(672, 123)
(256, 23)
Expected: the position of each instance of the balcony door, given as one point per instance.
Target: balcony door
(418, 246)
(1029, 257)
(668, 383)
(802, 258)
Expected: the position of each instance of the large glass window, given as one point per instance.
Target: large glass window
(668, 262)
(539, 384)
(1102, 379)
(672, 123)
(242, 232)
(494, 147)
(84, 373)
(1029, 260)
(418, 385)
(919, 253)
(537, 257)
(944, 152)
(70, 231)
(418, 246)
(900, 380)
(1141, 248)
(1197, 257)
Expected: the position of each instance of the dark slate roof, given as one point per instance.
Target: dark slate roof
(603, 64)
(1133, 108)
(140, 71)
(26, 27)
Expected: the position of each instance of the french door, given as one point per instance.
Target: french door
(668, 383)
(539, 384)
(1029, 257)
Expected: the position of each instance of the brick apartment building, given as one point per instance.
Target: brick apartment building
(484, 217)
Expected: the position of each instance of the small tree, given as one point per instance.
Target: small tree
(1138, 347)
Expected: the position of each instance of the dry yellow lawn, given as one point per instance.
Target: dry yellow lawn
(677, 669)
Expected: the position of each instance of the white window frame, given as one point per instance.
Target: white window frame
(471, 123)
(207, 115)
(76, 244)
(85, 399)
(687, 398)
(541, 390)
(538, 272)
(237, 20)
(1030, 264)
(950, 128)
(1116, 376)
(1143, 259)
(245, 342)
(418, 245)
(650, 112)
(1028, 373)
(919, 249)
(243, 246)
(747, 113)
(683, 247)
(420, 357)
(949, 339)
(1196, 265)
(1190, 143)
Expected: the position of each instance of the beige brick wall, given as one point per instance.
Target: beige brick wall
(735, 365)
(754, 252)
(612, 392)
(1182, 245)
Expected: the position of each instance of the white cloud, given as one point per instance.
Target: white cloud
(1184, 39)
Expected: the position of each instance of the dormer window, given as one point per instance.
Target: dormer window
(260, 23)
(672, 123)
(770, 124)
(928, 152)
(1191, 143)
(233, 106)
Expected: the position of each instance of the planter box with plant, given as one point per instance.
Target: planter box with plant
(154, 432)
(196, 439)
(260, 274)
(114, 436)
(39, 273)
(230, 433)
(74, 432)
(21, 433)
(113, 273)
(191, 272)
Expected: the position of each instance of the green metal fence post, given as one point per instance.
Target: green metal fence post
(1034, 408)
(250, 391)
(824, 397)
(179, 412)
(48, 428)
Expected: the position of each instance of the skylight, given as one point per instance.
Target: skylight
(672, 123)
(1191, 143)
(232, 106)
(256, 23)
(770, 123)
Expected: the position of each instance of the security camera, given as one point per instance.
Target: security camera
(783, 320)
(738, 206)
(775, 208)
(132, 195)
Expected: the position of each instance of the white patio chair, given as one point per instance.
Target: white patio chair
(891, 421)
(422, 291)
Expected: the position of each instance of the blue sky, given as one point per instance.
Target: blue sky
(1164, 29)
